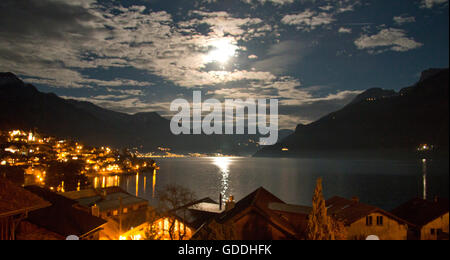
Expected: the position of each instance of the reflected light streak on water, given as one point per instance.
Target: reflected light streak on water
(154, 183)
(425, 173)
(223, 163)
(145, 184)
(137, 185)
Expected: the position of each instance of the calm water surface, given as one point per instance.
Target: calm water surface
(386, 184)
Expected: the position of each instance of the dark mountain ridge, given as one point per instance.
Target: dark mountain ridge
(22, 106)
(378, 122)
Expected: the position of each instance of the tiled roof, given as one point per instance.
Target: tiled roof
(62, 218)
(106, 199)
(420, 212)
(194, 215)
(76, 195)
(89, 201)
(259, 202)
(113, 201)
(349, 211)
(14, 200)
(288, 208)
(259, 198)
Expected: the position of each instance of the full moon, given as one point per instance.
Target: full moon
(223, 50)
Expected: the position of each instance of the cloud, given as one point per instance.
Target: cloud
(431, 3)
(312, 108)
(313, 18)
(280, 57)
(101, 46)
(123, 103)
(221, 23)
(345, 30)
(60, 38)
(308, 20)
(389, 39)
(400, 20)
(274, 2)
(297, 104)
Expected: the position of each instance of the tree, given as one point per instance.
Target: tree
(338, 229)
(172, 200)
(320, 225)
(69, 173)
(153, 231)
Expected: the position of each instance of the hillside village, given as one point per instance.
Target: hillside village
(34, 159)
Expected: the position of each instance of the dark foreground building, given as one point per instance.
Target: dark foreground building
(15, 206)
(429, 218)
(259, 216)
(60, 220)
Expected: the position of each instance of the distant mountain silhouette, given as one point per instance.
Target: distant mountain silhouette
(22, 106)
(378, 123)
(374, 93)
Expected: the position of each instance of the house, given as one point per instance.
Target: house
(261, 216)
(430, 218)
(195, 214)
(60, 220)
(120, 209)
(107, 201)
(362, 220)
(178, 224)
(15, 206)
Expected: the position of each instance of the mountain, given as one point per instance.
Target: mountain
(22, 106)
(378, 123)
(374, 93)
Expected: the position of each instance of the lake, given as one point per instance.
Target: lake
(382, 183)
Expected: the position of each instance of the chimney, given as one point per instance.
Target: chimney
(230, 204)
(95, 211)
(355, 199)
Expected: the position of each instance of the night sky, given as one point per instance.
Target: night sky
(314, 56)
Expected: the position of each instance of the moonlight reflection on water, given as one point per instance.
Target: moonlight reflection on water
(223, 163)
(383, 183)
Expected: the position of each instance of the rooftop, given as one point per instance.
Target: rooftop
(112, 201)
(421, 212)
(15, 200)
(197, 213)
(289, 208)
(350, 211)
(106, 199)
(62, 218)
(261, 202)
(207, 207)
(260, 198)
